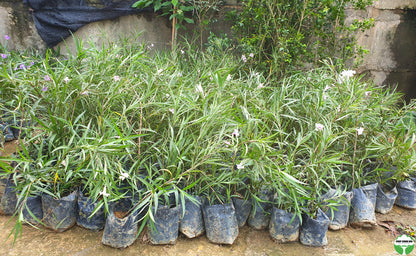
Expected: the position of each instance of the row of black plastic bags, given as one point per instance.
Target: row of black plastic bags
(220, 222)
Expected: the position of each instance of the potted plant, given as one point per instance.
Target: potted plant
(286, 213)
(218, 210)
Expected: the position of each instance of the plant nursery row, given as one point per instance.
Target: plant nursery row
(128, 139)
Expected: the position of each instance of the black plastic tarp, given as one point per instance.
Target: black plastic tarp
(55, 20)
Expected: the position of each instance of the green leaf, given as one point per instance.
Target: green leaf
(188, 20)
(187, 8)
(141, 4)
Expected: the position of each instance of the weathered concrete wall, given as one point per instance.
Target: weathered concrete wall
(145, 27)
(17, 22)
(391, 43)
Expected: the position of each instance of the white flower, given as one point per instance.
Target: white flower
(66, 79)
(104, 192)
(327, 88)
(346, 74)
(261, 85)
(199, 88)
(123, 176)
(319, 127)
(180, 74)
(360, 130)
(251, 55)
(159, 71)
(235, 133)
(116, 78)
(182, 52)
(63, 163)
(240, 166)
(367, 93)
(229, 77)
(84, 92)
(172, 110)
(244, 58)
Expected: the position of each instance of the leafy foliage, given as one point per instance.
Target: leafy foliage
(285, 35)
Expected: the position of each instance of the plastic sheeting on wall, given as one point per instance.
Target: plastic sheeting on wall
(56, 20)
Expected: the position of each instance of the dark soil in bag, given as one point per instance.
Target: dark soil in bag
(85, 208)
(192, 221)
(339, 217)
(7, 132)
(284, 226)
(60, 214)
(313, 231)
(17, 131)
(259, 217)
(166, 225)
(220, 223)
(385, 199)
(34, 205)
(120, 230)
(242, 210)
(406, 194)
(9, 199)
(363, 203)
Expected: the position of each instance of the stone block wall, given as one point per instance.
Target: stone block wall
(391, 43)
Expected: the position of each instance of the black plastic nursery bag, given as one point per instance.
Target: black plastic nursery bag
(60, 214)
(192, 221)
(363, 205)
(166, 225)
(220, 223)
(284, 226)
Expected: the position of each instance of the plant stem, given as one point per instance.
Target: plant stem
(174, 29)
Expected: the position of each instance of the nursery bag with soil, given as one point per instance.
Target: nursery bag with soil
(85, 208)
(406, 194)
(313, 231)
(192, 222)
(284, 226)
(259, 217)
(363, 203)
(165, 227)
(34, 205)
(220, 223)
(242, 210)
(60, 214)
(9, 199)
(120, 229)
(385, 199)
(339, 217)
